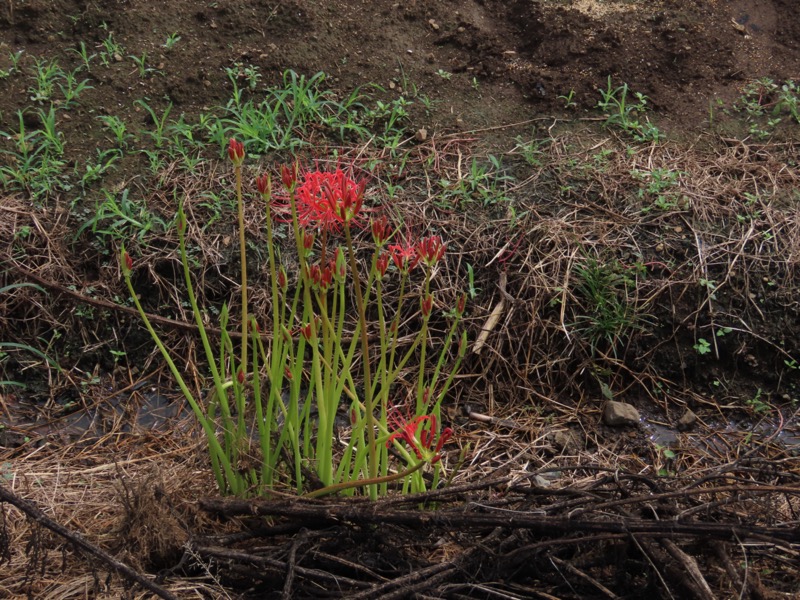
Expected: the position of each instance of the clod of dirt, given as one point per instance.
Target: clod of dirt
(686, 421)
(617, 414)
(565, 441)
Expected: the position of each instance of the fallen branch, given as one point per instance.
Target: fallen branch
(368, 513)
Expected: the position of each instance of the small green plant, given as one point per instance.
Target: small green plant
(608, 308)
(119, 217)
(112, 50)
(702, 347)
(117, 128)
(172, 40)
(660, 188)
(141, 65)
(444, 74)
(83, 53)
(46, 75)
(569, 99)
(758, 405)
(665, 458)
(625, 114)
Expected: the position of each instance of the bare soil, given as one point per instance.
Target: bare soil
(516, 79)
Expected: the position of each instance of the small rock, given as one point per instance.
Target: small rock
(659, 247)
(117, 57)
(206, 83)
(434, 25)
(619, 413)
(565, 441)
(686, 421)
(392, 85)
(461, 30)
(421, 135)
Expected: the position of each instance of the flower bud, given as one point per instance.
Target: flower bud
(461, 304)
(427, 305)
(236, 152)
(264, 185)
(240, 376)
(382, 264)
(289, 176)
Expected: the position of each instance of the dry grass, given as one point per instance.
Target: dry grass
(721, 252)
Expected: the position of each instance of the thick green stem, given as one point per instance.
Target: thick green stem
(368, 398)
(243, 259)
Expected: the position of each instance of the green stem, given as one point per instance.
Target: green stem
(243, 259)
(368, 399)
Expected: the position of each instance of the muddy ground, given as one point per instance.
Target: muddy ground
(708, 254)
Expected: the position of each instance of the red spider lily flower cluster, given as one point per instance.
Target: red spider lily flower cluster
(381, 230)
(404, 256)
(321, 277)
(325, 200)
(430, 250)
(236, 152)
(422, 444)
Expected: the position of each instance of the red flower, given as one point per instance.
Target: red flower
(422, 444)
(381, 230)
(264, 185)
(426, 304)
(382, 263)
(325, 200)
(236, 152)
(431, 249)
(404, 256)
(289, 176)
(461, 304)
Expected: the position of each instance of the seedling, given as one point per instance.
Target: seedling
(569, 101)
(702, 347)
(623, 113)
(444, 74)
(172, 39)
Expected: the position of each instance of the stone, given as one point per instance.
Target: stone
(686, 421)
(565, 440)
(619, 413)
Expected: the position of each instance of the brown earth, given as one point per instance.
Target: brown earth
(519, 79)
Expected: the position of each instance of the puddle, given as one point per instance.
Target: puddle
(141, 409)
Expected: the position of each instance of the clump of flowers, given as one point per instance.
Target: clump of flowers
(308, 358)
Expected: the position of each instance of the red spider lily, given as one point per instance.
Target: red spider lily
(381, 230)
(236, 152)
(431, 249)
(240, 376)
(326, 200)
(308, 240)
(426, 304)
(289, 176)
(127, 262)
(404, 256)
(422, 445)
(282, 279)
(306, 331)
(382, 263)
(264, 185)
(461, 304)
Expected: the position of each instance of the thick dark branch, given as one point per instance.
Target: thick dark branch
(367, 513)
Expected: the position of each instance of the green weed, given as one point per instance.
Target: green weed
(625, 114)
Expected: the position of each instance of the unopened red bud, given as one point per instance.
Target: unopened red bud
(289, 175)
(461, 304)
(264, 185)
(240, 376)
(427, 305)
(236, 152)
